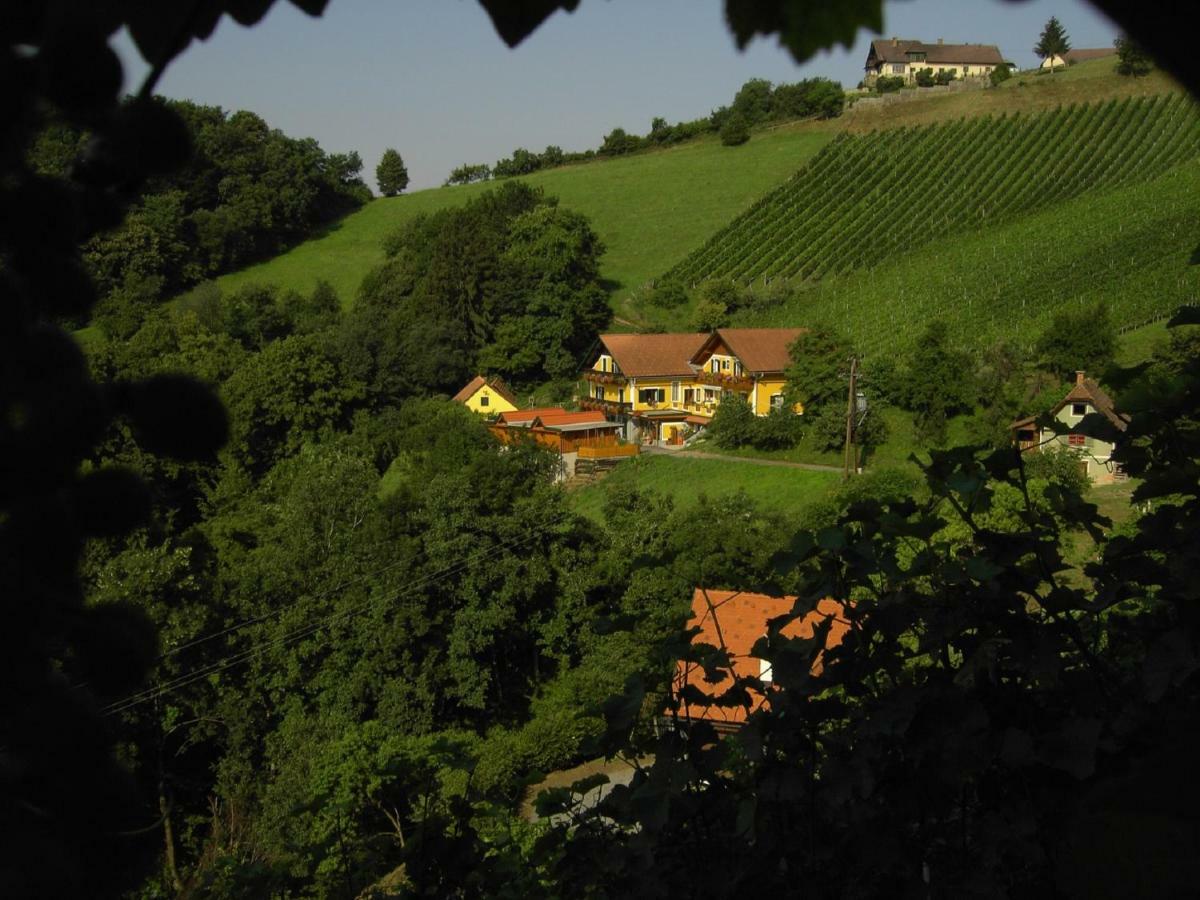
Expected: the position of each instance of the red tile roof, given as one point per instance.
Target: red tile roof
(736, 620)
(759, 349)
(479, 381)
(526, 415)
(1087, 391)
(571, 418)
(641, 355)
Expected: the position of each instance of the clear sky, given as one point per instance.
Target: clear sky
(432, 79)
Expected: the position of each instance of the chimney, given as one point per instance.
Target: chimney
(894, 42)
(940, 42)
(1079, 378)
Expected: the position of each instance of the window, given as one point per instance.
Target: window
(716, 365)
(674, 391)
(1076, 440)
(598, 392)
(1079, 409)
(777, 401)
(897, 68)
(620, 395)
(725, 364)
(689, 396)
(485, 400)
(651, 395)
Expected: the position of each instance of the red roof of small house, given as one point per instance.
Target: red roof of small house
(642, 355)
(549, 420)
(1084, 390)
(735, 620)
(479, 381)
(521, 416)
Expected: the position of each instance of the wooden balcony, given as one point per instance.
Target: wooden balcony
(596, 377)
(729, 382)
(608, 407)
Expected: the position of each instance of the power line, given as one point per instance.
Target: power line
(227, 662)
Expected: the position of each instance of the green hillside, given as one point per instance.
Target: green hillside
(867, 198)
(651, 209)
(1130, 248)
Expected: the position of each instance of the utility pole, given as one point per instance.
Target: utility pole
(850, 410)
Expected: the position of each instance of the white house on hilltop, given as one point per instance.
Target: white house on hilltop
(898, 58)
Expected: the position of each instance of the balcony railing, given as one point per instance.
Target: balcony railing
(604, 377)
(732, 382)
(608, 407)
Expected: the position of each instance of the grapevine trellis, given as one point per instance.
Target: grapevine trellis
(865, 198)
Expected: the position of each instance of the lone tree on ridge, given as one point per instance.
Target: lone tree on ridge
(1053, 42)
(1132, 58)
(391, 173)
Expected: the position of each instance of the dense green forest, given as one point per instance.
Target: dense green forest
(282, 622)
(245, 193)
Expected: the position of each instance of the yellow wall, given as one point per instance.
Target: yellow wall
(763, 391)
(495, 405)
(611, 391)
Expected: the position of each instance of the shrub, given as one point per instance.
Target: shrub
(1000, 74)
(735, 131)
(925, 78)
(733, 424)
(709, 315)
(668, 295)
(887, 84)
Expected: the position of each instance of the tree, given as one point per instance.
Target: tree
(1083, 340)
(936, 383)
(1000, 74)
(391, 173)
(1053, 42)
(753, 101)
(1132, 58)
(735, 130)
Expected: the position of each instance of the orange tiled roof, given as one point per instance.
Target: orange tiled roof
(571, 418)
(526, 415)
(736, 620)
(759, 349)
(479, 381)
(641, 355)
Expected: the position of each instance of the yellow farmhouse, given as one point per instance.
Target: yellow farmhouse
(661, 387)
(486, 396)
(898, 58)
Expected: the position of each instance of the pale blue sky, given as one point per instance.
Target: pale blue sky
(432, 79)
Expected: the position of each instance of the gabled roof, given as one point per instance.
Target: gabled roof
(896, 51)
(1087, 391)
(1082, 55)
(759, 349)
(641, 355)
(526, 416)
(478, 382)
(1084, 390)
(735, 620)
(551, 420)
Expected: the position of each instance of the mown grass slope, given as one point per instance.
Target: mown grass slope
(1130, 248)
(867, 198)
(651, 209)
(776, 488)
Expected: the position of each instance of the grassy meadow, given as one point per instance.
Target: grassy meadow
(651, 209)
(776, 488)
